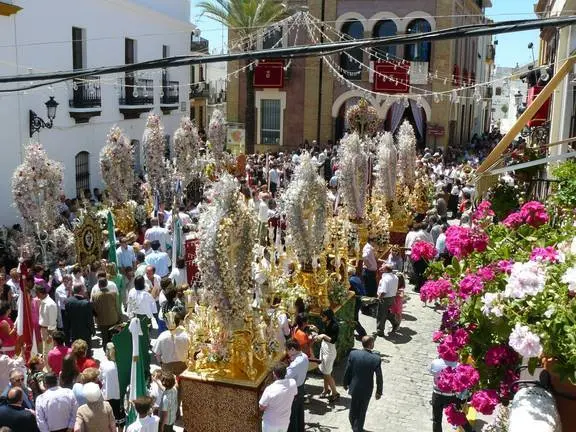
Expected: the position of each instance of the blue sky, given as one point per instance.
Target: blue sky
(512, 48)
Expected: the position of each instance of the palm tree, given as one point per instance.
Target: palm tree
(246, 17)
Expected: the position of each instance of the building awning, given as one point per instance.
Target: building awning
(7, 9)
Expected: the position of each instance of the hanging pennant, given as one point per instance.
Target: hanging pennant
(391, 77)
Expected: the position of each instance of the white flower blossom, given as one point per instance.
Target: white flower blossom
(525, 279)
(569, 278)
(524, 342)
(490, 304)
(550, 311)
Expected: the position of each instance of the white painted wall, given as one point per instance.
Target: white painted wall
(39, 37)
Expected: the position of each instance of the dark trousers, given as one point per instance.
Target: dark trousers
(358, 408)
(361, 331)
(439, 402)
(420, 267)
(384, 314)
(105, 334)
(297, 413)
(370, 283)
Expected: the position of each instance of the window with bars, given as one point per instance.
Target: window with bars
(82, 172)
(270, 128)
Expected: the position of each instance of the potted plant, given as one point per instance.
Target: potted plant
(509, 296)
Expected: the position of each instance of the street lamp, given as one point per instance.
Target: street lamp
(37, 123)
(518, 97)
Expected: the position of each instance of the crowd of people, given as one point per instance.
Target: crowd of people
(62, 387)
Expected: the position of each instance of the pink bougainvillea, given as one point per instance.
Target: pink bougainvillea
(484, 401)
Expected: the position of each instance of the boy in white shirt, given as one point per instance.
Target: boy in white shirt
(146, 422)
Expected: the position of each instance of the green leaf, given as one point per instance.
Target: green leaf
(532, 365)
(456, 265)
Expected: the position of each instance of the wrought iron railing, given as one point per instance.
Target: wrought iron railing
(86, 93)
(170, 93)
(136, 91)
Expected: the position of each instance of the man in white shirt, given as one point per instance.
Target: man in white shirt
(48, 319)
(60, 272)
(156, 232)
(276, 401)
(96, 288)
(56, 407)
(274, 180)
(171, 347)
(9, 363)
(297, 370)
(387, 289)
(370, 267)
(160, 260)
(125, 254)
(63, 291)
(111, 384)
(153, 283)
(14, 284)
(140, 302)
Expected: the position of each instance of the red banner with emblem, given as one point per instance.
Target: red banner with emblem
(391, 76)
(541, 116)
(269, 74)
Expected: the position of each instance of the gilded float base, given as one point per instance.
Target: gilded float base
(219, 404)
(317, 289)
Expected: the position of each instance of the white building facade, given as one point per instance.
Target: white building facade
(504, 94)
(64, 35)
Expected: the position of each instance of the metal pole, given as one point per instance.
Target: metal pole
(320, 75)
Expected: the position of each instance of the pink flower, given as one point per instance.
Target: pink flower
(484, 401)
(471, 285)
(483, 211)
(466, 378)
(423, 250)
(486, 274)
(534, 213)
(500, 355)
(548, 254)
(513, 220)
(437, 336)
(461, 337)
(462, 241)
(445, 380)
(505, 266)
(435, 290)
(454, 416)
(448, 350)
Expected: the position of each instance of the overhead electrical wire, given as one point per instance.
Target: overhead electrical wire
(472, 30)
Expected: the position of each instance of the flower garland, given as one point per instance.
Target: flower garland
(406, 143)
(227, 233)
(363, 118)
(217, 134)
(36, 184)
(116, 162)
(305, 204)
(387, 163)
(186, 152)
(154, 146)
(353, 178)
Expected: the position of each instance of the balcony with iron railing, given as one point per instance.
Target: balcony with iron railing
(86, 101)
(169, 96)
(136, 96)
(198, 44)
(199, 90)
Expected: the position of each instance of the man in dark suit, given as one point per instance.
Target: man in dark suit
(359, 378)
(14, 415)
(79, 316)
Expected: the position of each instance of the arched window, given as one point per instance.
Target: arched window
(385, 29)
(351, 60)
(419, 52)
(82, 172)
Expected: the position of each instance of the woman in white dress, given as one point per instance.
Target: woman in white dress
(328, 353)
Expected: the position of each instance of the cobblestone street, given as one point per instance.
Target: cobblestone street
(406, 357)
